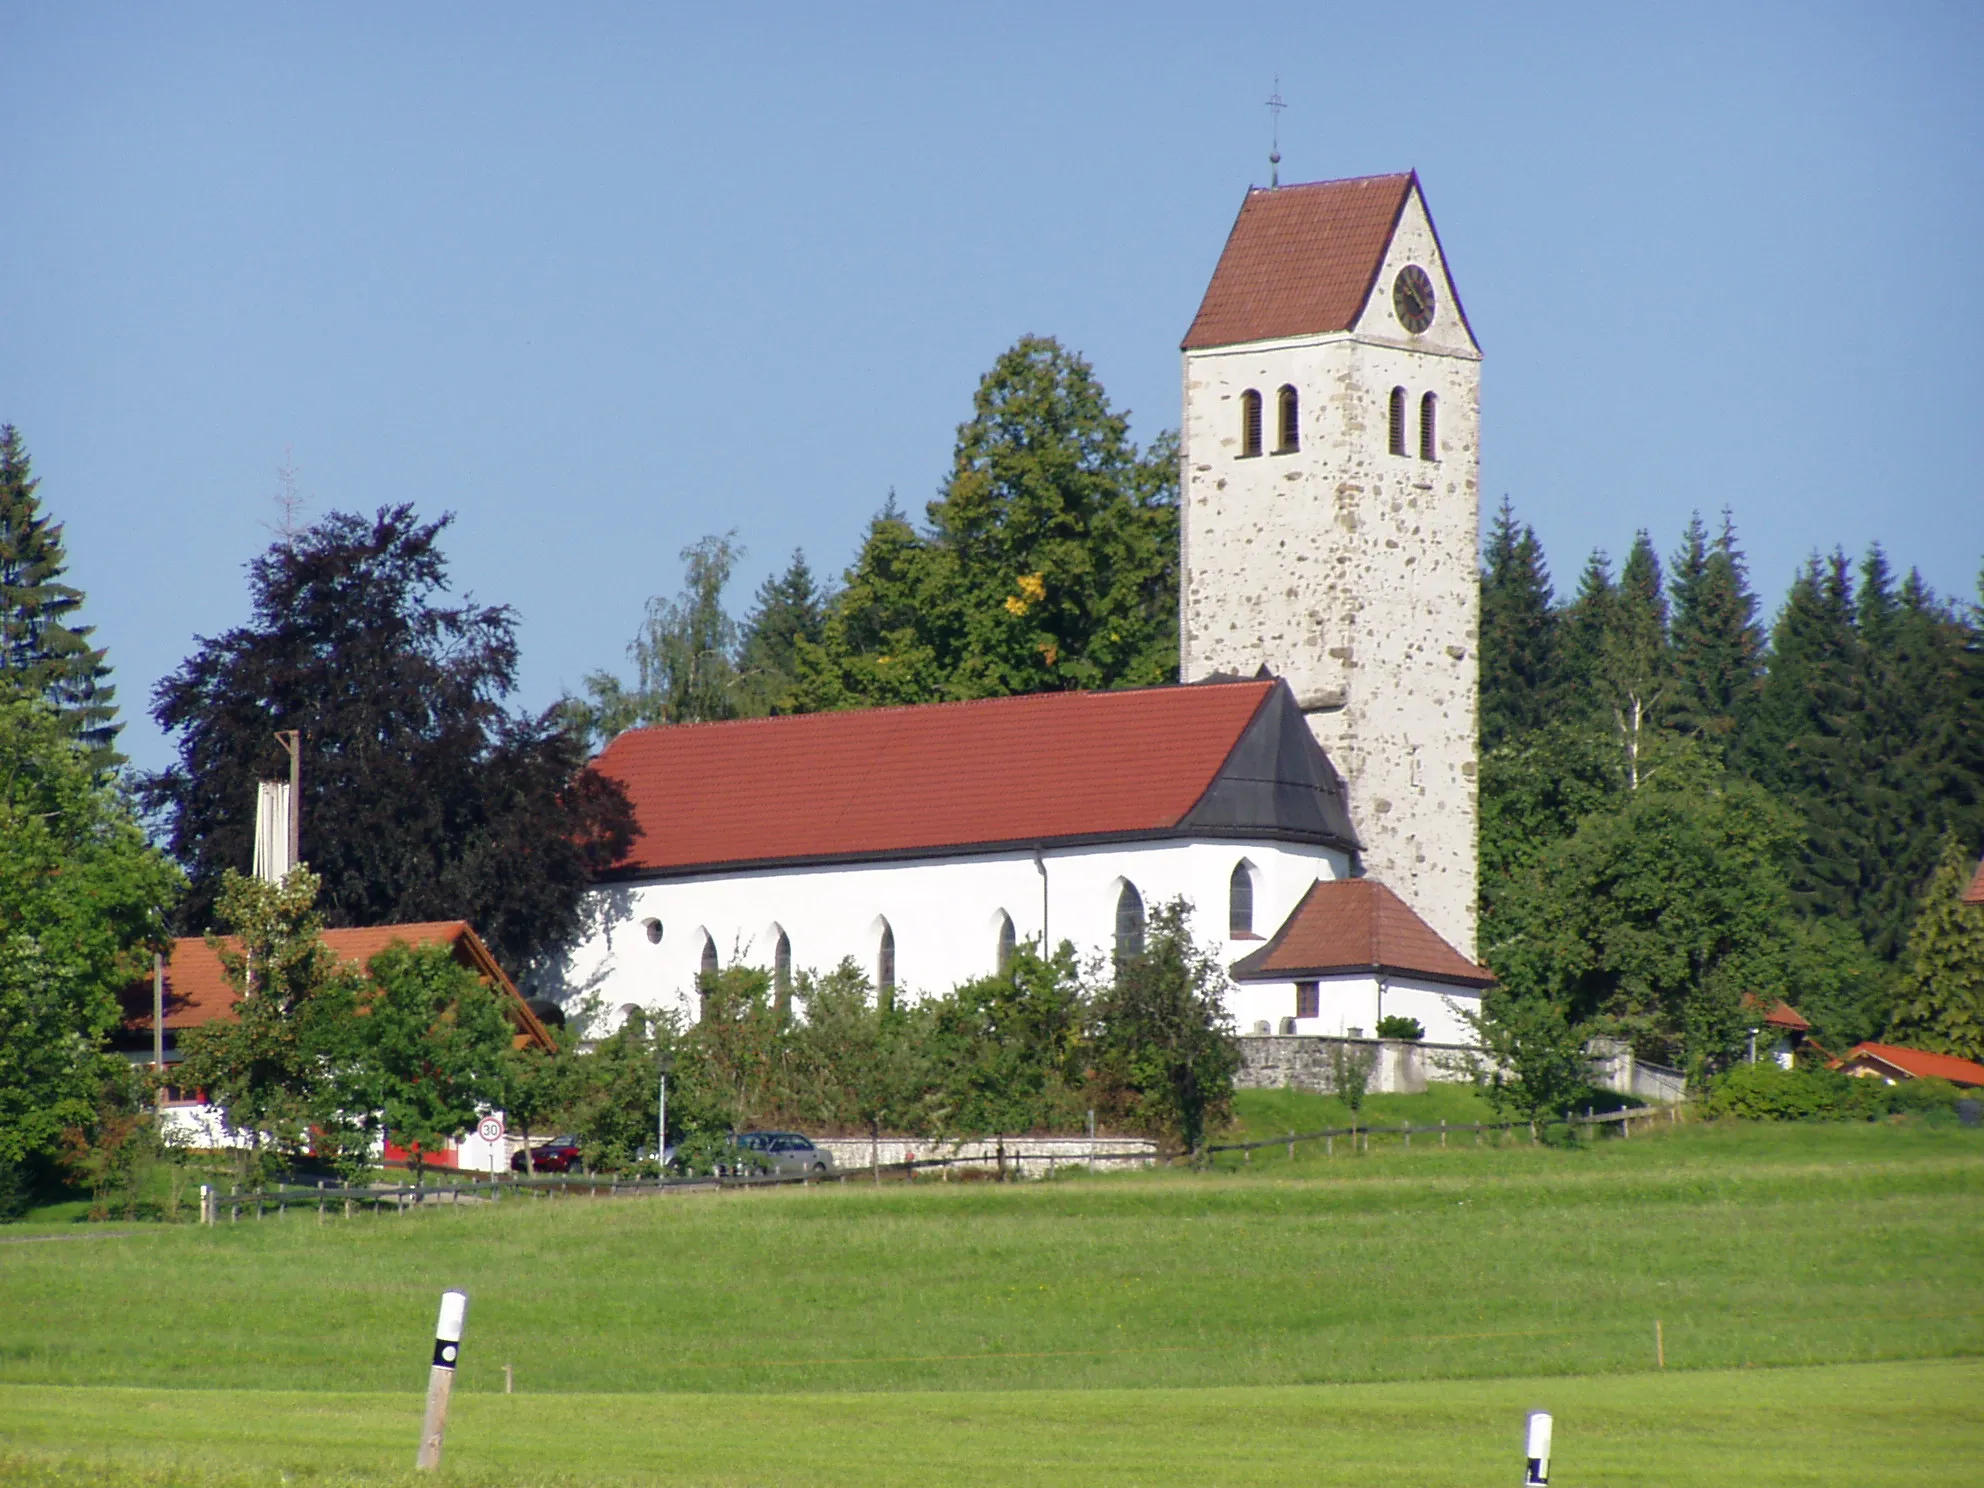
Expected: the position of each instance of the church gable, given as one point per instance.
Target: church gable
(1414, 244)
(1276, 783)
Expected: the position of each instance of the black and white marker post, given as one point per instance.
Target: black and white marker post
(1537, 1475)
(441, 1378)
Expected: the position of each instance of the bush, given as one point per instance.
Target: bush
(1766, 1092)
(1392, 1026)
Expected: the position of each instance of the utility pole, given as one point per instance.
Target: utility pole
(292, 740)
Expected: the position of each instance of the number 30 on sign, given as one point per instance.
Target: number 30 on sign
(490, 1128)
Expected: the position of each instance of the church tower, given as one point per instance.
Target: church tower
(1331, 512)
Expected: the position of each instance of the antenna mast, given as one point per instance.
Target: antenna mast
(1275, 106)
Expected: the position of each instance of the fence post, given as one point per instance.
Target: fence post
(1443, 1131)
(441, 1377)
(1329, 1146)
(1532, 1134)
(207, 1205)
(1408, 1136)
(1538, 1451)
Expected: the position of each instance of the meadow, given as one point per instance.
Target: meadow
(1371, 1317)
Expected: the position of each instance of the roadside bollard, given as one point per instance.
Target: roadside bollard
(1537, 1473)
(441, 1377)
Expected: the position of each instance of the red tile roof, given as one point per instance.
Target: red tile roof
(878, 782)
(1300, 260)
(1782, 1015)
(197, 990)
(1915, 1064)
(1352, 925)
(1975, 893)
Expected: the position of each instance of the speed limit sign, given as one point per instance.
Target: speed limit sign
(490, 1128)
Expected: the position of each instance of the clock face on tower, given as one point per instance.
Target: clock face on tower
(1412, 298)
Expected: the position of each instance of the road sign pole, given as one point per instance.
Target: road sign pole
(441, 1378)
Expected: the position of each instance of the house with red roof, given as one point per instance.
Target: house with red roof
(1892, 1063)
(196, 991)
(1975, 893)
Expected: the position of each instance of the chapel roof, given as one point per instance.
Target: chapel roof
(1357, 925)
(197, 990)
(1228, 759)
(1916, 1064)
(1300, 260)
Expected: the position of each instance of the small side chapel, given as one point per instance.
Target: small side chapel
(1309, 785)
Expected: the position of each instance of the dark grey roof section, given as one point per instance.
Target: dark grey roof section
(1277, 782)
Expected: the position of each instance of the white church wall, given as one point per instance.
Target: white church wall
(1350, 1007)
(944, 913)
(1351, 571)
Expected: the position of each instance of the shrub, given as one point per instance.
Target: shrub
(1393, 1026)
(1766, 1092)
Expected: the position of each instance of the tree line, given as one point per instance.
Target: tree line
(1688, 814)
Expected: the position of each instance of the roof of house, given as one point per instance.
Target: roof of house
(1975, 893)
(197, 990)
(1916, 1064)
(1300, 260)
(1357, 925)
(1782, 1015)
(1222, 759)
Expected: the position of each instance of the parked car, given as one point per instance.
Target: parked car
(787, 1152)
(559, 1155)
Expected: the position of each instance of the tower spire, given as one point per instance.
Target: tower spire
(1275, 106)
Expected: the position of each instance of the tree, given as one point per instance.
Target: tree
(789, 612)
(432, 1049)
(423, 798)
(42, 654)
(83, 903)
(1718, 645)
(1941, 1001)
(685, 656)
(1164, 1049)
(1051, 559)
(1636, 670)
(1531, 1058)
(271, 1070)
(1519, 641)
(1008, 1047)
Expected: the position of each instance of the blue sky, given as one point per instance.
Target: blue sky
(600, 279)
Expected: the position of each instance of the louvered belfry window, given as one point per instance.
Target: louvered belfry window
(1429, 435)
(1398, 421)
(1288, 422)
(1250, 423)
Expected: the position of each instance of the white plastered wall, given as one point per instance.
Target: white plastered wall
(944, 912)
(1347, 1003)
(1351, 571)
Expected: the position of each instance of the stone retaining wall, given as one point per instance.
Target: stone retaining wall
(1026, 1157)
(1305, 1062)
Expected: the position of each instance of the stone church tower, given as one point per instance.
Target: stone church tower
(1331, 516)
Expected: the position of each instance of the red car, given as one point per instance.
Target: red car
(559, 1155)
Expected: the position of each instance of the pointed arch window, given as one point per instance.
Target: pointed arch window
(1240, 903)
(1398, 421)
(1008, 942)
(885, 966)
(1287, 421)
(709, 964)
(782, 973)
(1129, 923)
(1250, 423)
(1429, 434)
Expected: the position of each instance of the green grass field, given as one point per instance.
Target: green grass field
(1363, 1318)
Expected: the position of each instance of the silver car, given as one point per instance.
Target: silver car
(787, 1152)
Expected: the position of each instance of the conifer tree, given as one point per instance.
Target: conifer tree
(1718, 645)
(1582, 630)
(1941, 1006)
(1635, 681)
(1519, 662)
(41, 653)
(789, 611)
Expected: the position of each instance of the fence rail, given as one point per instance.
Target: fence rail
(407, 1196)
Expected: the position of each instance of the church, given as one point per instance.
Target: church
(1310, 783)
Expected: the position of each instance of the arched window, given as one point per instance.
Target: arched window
(709, 966)
(1129, 923)
(885, 966)
(1398, 421)
(1008, 942)
(1250, 423)
(653, 928)
(1240, 902)
(782, 972)
(1429, 436)
(1287, 422)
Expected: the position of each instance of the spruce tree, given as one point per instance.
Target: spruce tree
(41, 653)
(1941, 1006)
(1519, 661)
(1635, 681)
(1582, 629)
(789, 612)
(1718, 645)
